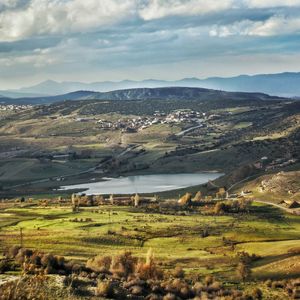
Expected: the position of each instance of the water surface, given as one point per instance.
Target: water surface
(144, 183)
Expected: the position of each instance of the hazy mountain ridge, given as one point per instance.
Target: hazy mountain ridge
(166, 93)
(282, 84)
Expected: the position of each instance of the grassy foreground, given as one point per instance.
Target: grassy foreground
(176, 239)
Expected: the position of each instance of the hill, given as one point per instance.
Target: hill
(177, 93)
(78, 95)
(276, 187)
(166, 93)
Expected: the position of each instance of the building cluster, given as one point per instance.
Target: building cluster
(267, 164)
(140, 123)
(280, 163)
(14, 107)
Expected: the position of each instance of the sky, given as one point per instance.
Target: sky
(98, 40)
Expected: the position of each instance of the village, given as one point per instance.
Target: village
(140, 123)
(14, 107)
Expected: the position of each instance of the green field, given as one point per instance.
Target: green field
(175, 239)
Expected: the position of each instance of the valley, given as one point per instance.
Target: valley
(79, 141)
(235, 235)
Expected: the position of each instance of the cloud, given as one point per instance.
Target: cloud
(40, 17)
(69, 38)
(22, 19)
(156, 9)
(271, 3)
(274, 26)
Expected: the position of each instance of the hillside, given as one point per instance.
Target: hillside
(276, 187)
(183, 93)
(166, 93)
(159, 136)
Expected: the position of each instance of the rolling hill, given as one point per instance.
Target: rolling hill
(167, 93)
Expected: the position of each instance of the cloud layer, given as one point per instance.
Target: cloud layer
(117, 37)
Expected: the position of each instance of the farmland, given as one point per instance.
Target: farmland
(77, 141)
(235, 245)
(266, 232)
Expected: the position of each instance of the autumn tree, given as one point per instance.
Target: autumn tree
(197, 197)
(136, 200)
(111, 199)
(221, 194)
(219, 208)
(186, 199)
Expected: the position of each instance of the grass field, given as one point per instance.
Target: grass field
(175, 239)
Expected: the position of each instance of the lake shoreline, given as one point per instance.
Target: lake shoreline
(143, 184)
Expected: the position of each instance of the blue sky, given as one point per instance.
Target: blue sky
(97, 40)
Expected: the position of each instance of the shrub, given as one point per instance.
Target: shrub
(243, 271)
(178, 272)
(149, 269)
(5, 266)
(12, 251)
(169, 296)
(136, 290)
(208, 280)
(123, 265)
(257, 294)
(104, 289)
(48, 260)
(246, 258)
(99, 264)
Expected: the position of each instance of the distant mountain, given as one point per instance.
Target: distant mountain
(78, 95)
(165, 93)
(282, 84)
(177, 93)
(12, 94)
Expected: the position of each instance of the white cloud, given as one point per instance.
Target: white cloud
(156, 9)
(276, 25)
(271, 3)
(20, 19)
(60, 16)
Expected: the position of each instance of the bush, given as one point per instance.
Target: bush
(243, 271)
(257, 294)
(149, 269)
(169, 296)
(35, 262)
(178, 272)
(208, 280)
(123, 265)
(12, 251)
(104, 289)
(99, 264)
(5, 265)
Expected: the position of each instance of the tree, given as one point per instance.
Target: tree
(186, 199)
(111, 199)
(221, 193)
(219, 208)
(99, 199)
(197, 197)
(74, 200)
(136, 200)
(243, 271)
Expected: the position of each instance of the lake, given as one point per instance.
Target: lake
(144, 183)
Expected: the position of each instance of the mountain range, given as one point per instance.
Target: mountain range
(164, 93)
(281, 84)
